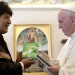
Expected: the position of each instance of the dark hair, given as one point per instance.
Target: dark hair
(5, 9)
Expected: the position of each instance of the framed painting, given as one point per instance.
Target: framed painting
(29, 2)
(28, 39)
(69, 1)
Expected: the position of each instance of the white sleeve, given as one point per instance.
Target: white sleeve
(53, 62)
(22, 65)
(66, 71)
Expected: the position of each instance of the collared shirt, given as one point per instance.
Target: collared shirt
(73, 35)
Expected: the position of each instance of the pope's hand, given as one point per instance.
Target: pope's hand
(54, 69)
(42, 52)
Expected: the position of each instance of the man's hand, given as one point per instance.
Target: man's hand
(19, 57)
(54, 70)
(27, 62)
(4, 55)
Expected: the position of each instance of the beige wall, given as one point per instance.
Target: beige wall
(37, 17)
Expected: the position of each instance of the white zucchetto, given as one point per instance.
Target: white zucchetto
(69, 7)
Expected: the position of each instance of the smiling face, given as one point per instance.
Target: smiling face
(4, 23)
(65, 23)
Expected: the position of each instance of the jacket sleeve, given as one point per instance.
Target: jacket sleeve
(7, 67)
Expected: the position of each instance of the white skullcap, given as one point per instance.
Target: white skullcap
(69, 7)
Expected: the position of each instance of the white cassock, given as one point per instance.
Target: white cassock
(66, 57)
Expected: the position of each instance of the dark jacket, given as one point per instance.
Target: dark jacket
(7, 66)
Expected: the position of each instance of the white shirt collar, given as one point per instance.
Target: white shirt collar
(73, 35)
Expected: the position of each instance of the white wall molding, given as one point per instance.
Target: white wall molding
(46, 7)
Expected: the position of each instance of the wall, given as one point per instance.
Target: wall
(37, 17)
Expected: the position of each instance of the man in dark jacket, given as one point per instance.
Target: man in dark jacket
(7, 66)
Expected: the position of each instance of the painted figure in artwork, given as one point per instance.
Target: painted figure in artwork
(56, 1)
(32, 35)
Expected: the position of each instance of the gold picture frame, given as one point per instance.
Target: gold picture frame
(41, 29)
(69, 2)
(27, 2)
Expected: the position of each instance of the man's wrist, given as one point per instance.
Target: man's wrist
(22, 65)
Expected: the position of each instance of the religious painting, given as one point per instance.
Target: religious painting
(69, 1)
(28, 39)
(29, 2)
